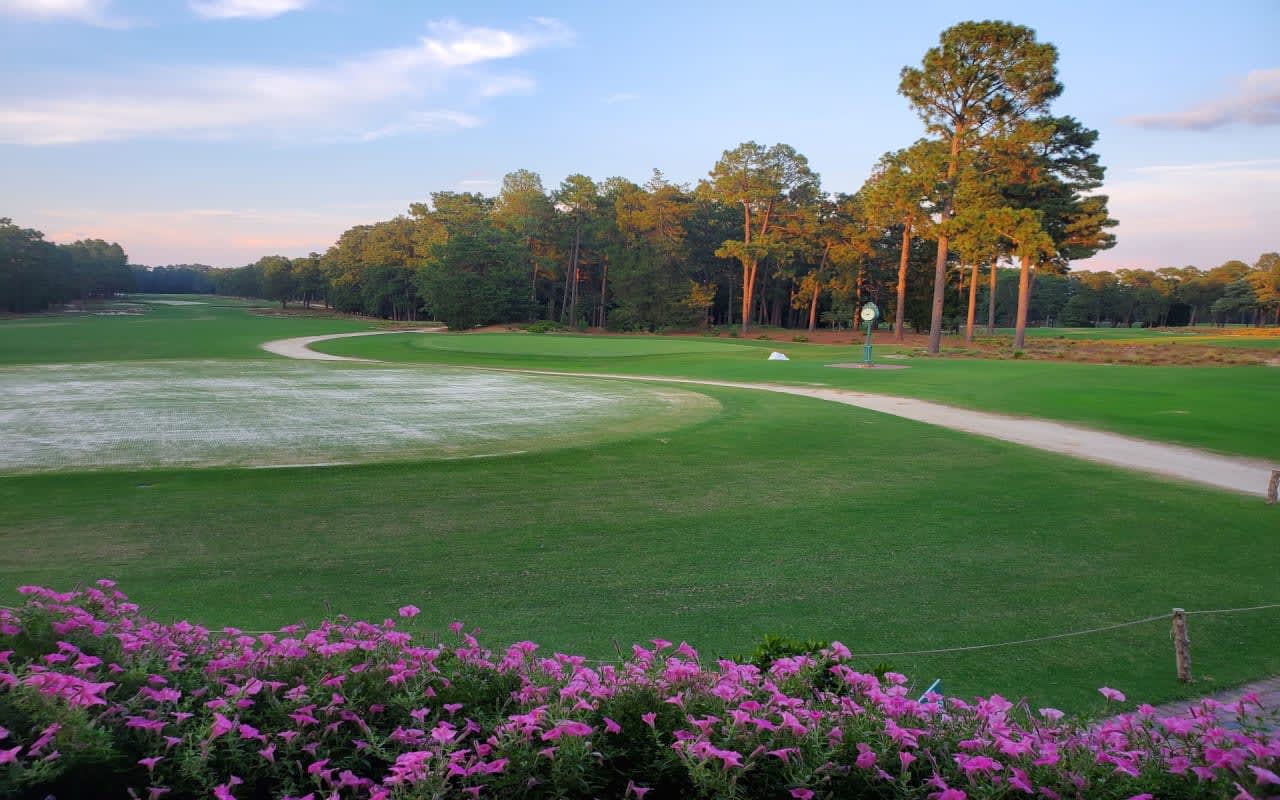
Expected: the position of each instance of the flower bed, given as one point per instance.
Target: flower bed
(96, 700)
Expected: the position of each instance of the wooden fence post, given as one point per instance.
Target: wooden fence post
(1273, 487)
(1181, 645)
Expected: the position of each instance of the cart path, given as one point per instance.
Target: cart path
(1232, 473)
(300, 346)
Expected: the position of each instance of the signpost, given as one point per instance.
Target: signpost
(870, 312)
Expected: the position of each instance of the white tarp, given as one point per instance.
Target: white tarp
(776, 356)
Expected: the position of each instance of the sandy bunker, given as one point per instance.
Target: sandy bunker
(124, 415)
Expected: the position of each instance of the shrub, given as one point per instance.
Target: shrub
(545, 326)
(96, 700)
(800, 338)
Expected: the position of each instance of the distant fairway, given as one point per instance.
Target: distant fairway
(1234, 336)
(560, 346)
(1226, 409)
(757, 513)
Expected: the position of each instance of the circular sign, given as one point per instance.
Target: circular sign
(870, 312)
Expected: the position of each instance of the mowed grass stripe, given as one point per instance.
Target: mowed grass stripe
(782, 515)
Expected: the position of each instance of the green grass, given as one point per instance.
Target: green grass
(782, 515)
(779, 515)
(1233, 336)
(1227, 409)
(160, 332)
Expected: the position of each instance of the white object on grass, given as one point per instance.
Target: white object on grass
(776, 356)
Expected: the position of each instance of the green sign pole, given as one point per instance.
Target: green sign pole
(869, 314)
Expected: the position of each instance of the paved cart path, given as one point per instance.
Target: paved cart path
(1233, 473)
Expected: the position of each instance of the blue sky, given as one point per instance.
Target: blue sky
(217, 131)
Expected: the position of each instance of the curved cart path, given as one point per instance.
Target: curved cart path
(1236, 474)
(300, 346)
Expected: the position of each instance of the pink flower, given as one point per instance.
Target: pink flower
(866, 756)
(802, 794)
(11, 755)
(1143, 796)
(150, 763)
(1265, 776)
(611, 727)
(638, 791)
(1051, 714)
(950, 794)
(1112, 694)
(269, 753)
(409, 611)
(223, 790)
(649, 718)
(221, 725)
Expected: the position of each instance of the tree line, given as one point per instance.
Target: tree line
(36, 274)
(996, 180)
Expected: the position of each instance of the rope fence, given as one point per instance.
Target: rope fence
(1178, 617)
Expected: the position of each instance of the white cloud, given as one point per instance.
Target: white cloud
(245, 9)
(497, 85)
(423, 122)
(92, 12)
(235, 99)
(1201, 213)
(1255, 101)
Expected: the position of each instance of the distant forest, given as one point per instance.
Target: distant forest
(398, 270)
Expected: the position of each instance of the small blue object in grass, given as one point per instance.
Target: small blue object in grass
(936, 686)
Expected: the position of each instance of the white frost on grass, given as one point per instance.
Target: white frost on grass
(136, 415)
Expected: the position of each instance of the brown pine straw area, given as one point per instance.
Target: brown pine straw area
(1164, 352)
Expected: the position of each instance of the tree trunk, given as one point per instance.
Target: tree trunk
(940, 267)
(748, 293)
(1024, 298)
(991, 301)
(813, 307)
(604, 286)
(572, 272)
(939, 288)
(973, 303)
(900, 312)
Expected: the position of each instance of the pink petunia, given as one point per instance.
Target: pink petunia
(866, 756)
(150, 763)
(802, 794)
(409, 612)
(611, 727)
(1112, 694)
(1265, 776)
(649, 718)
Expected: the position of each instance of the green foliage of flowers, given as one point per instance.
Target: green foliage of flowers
(96, 700)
